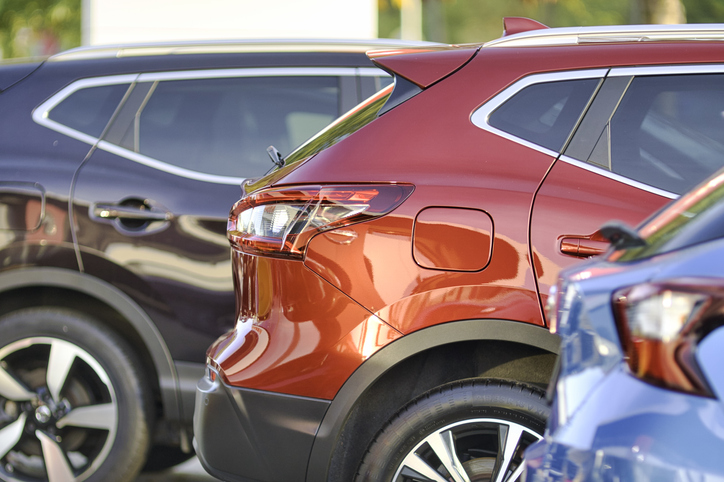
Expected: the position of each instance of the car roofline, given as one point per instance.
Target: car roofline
(610, 34)
(231, 46)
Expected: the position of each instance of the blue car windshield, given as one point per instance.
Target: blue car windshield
(694, 218)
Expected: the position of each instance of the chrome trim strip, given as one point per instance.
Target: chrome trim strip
(257, 72)
(616, 177)
(666, 70)
(481, 115)
(169, 168)
(40, 114)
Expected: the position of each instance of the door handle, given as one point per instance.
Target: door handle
(140, 213)
(583, 247)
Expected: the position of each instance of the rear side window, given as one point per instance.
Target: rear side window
(223, 126)
(668, 131)
(545, 113)
(89, 110)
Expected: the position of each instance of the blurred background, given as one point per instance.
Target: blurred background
(32, 28)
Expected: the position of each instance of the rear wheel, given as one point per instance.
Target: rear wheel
(73, 402)
(470, 431)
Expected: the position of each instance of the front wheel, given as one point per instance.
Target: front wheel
(468, 431)
(74, 405)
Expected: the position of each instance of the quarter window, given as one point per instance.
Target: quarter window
(545, 113)
(89, 110)
(668, 131)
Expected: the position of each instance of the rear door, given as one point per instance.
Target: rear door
(651, 134)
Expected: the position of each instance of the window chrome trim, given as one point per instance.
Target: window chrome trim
(481, 116)
(261, 72)
(41, 113)
(169, 168)
(617, 177)
(667, 70)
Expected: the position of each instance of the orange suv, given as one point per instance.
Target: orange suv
(391, 275)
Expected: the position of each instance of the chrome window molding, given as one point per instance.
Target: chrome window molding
(481, 115)
(617, 177)
(41, 113)
(262, 72)
(666, 70)
(169, 168)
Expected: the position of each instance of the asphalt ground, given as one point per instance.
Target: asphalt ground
(189, 471)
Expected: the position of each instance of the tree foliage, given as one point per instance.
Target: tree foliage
(30, 28)
(462, 21)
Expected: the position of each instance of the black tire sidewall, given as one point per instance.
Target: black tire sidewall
(446, 405)
(131, 443)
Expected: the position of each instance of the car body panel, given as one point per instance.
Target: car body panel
(268, 356)
(525, 203)
(564, 213)
(407, 63)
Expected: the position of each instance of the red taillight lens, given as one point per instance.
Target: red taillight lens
(660, 324)
(280, 222)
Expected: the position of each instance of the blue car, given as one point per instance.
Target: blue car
(640, 383)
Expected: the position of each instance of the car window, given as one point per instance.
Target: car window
(668, 131)
(224, 125)
(89, 110)
(545, 113)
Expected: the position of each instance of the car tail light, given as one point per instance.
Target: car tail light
(660, 325)
(280, 222)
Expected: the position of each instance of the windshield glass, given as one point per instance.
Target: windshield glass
(694, 218)
(344, 126)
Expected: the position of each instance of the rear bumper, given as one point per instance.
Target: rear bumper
(250, 435)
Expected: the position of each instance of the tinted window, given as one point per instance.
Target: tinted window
(669, 130)
(223, 126)
(89, 110)
(545, 113)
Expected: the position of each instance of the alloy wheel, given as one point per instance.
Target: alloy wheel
(476, 450)
(58, 411)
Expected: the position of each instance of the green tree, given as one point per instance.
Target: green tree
(462, 21)
(30, 28)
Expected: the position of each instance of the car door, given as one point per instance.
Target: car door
(651, 134)
(151, 201)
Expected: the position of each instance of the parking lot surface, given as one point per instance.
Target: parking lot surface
(190, 471)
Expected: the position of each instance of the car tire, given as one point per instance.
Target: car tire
(72, 399)
(475, 426)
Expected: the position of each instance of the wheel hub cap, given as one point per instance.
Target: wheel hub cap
(43, 414)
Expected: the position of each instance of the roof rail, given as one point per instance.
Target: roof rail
(613, 33)
(234, 46)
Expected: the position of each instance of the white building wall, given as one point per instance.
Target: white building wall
(120, 21)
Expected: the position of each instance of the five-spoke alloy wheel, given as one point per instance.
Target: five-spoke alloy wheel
(72, 403)
(470, 431)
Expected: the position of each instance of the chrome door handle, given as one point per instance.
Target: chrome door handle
(583, 247)
(115, 211)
